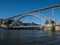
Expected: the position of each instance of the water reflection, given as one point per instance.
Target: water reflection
(29, 37)
(51, 37)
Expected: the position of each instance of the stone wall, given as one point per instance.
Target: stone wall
(57, 28)
(48, 28)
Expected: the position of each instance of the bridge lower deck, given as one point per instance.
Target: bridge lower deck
(26, 27)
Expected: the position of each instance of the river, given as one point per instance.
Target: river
(29, 37)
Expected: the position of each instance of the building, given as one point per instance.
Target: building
(48, 28)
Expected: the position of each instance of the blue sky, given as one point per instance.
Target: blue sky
(9, 8)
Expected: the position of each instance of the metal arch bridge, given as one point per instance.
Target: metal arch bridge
(30, 14)
(34, 13)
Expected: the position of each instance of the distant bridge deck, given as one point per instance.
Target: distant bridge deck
(27, 27)
(24, 26)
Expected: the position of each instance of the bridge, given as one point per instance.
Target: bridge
(27, 27)
(36, 13)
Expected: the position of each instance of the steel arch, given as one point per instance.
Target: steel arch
(30, 14)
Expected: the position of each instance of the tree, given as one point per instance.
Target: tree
(46, 22)
(53, 25)
(59, 5)
(52, 22)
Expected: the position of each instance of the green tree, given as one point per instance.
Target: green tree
(52, 22)
(46, 22)
(59, 5)
(53, 25)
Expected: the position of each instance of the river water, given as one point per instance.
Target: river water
(29, 37)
